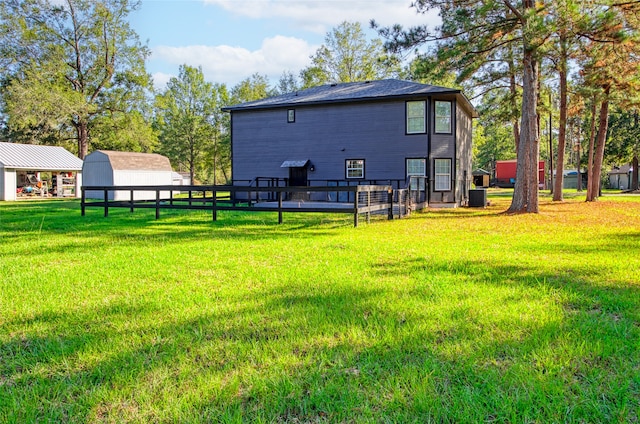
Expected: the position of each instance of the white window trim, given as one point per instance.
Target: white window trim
(435, 120)
(423, 129)
(423, 174)
(354, 168)
(437, 174)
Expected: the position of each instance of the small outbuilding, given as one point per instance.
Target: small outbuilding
(33, 170)
(481, 178)
(621, 177)
(110, 168)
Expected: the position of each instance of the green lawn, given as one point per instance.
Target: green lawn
(448, 316)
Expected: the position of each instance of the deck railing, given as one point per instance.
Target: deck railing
(366, 199)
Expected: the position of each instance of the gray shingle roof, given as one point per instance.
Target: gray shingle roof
(349, 92)
(38, 157)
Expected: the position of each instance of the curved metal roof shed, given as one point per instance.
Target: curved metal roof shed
(18, 160)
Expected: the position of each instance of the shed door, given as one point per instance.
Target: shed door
(298, 176)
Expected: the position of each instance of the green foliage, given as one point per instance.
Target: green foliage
(128, 132)
(129, 319)
(187, 119)
(288, 83)
(255, 87)
(498, 44)
(495, 47)
(347, 56)
(496, 143)
(427, 69)
(623, 140)
(220, 156)
(69, 65)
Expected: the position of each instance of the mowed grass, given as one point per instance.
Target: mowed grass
(448, 316)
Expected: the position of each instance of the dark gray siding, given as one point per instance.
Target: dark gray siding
(327, 135)
(442, 147)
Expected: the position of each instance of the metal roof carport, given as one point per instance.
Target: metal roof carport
(36, 158)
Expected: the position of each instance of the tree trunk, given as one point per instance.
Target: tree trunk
(603, 123)
(513, 91)
(525, 193)
(192, 161)
(579, 159)
(82, 130)
(634, 173)
(592, 143)
(562, 129)
(634, 163)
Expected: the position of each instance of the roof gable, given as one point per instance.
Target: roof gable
(351, 92)
(38, 157)
(131, 161)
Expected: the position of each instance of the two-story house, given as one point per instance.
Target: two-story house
(377, 132)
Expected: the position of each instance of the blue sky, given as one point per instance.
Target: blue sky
(233, 39)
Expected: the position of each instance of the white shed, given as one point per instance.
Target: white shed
(109, 168)
(33, 170)
(621, 177)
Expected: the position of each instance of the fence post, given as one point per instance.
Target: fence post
(355, 207)
(390, 201)
(82, 200)
(368, 207)
(279, 207)
(157, 203)
(131, 200)
(214, 203)
(106, 205)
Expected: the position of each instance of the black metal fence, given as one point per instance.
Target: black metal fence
(415, 186)
(365, 200)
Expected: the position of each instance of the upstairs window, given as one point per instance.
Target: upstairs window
(443, 117)
(291, 115)
(416, 117)
(355, 168)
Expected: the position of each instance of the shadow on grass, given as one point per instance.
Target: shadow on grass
(409, 363)
(437, 349)
(42, 356)
(418, 340)
(461, 213)
(24, 222)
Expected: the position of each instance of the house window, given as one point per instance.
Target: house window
(291, 115)
(442, 177)
(417, 168)
(443, 117)
(355, 168)
(416, 114)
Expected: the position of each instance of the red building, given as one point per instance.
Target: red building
(506, 173)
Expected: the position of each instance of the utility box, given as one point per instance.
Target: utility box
(477, 198)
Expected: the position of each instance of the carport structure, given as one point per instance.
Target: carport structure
(42, 171)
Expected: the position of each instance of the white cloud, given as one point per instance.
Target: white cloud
(228, 64)
(321, 15)
(160, 79)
